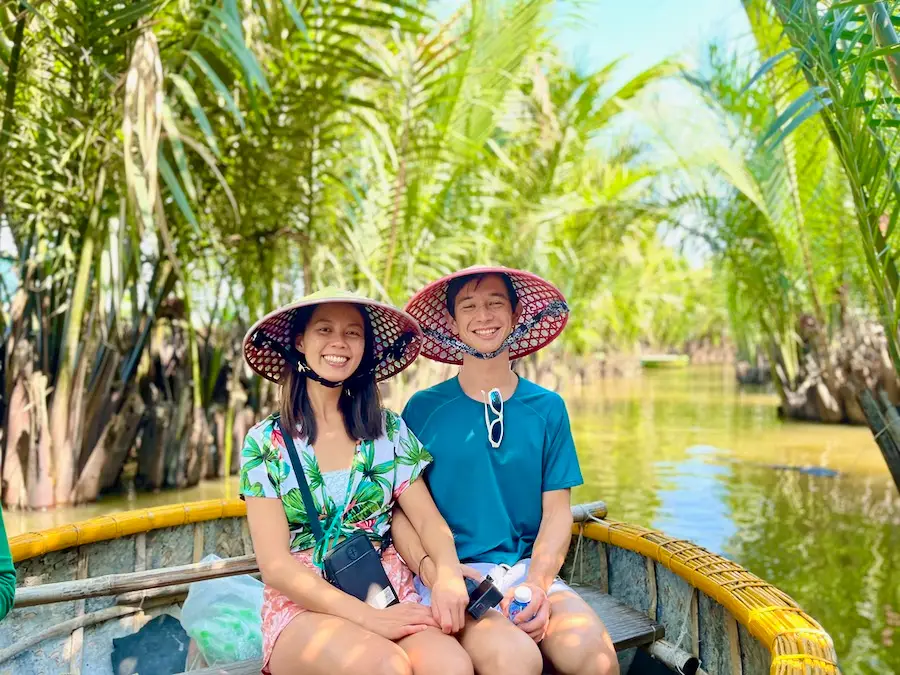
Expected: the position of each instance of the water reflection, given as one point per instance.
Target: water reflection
(686, 453)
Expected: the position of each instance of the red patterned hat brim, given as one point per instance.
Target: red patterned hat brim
(429, 308)
(388, 325)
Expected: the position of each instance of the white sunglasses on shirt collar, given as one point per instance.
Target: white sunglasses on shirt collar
(494, 427)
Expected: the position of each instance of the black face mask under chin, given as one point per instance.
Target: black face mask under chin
(297, 360)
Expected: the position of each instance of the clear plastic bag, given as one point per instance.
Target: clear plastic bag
(223, 617)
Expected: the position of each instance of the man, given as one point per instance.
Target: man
(504, 465)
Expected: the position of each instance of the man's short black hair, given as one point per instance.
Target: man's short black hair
(456, 285)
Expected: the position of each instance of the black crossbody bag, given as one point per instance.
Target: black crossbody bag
(353, 566)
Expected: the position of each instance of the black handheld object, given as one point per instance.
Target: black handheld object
(482, 597)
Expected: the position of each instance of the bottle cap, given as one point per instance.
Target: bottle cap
(523, 595)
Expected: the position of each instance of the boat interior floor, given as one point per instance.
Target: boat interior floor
(627, 627)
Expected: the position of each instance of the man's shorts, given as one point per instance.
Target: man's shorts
(504, 577)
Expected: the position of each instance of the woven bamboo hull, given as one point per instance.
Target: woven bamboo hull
(710, 607)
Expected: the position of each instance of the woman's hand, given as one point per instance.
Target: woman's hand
(399, 621)
(449, 599)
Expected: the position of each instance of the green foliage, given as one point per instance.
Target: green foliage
(845, 78)
(201, 162)
(775, 209)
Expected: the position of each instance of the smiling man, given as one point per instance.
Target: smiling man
(504, 464)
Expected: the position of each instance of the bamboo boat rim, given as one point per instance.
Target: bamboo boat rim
(796, 641)
(794, 638)
(103, 528)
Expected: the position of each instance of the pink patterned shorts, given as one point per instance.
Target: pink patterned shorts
(278, 610)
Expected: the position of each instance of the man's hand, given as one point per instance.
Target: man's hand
(428, 573)
(443, 607)
(449, 599)
(534, 618)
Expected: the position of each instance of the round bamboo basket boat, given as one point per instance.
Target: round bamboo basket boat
(83, 585)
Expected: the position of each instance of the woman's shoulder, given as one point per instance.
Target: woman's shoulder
(262, 430)
(393, 424)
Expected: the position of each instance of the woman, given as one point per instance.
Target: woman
(327, 351)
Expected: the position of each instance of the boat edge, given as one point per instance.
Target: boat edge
(796, 641)
(103, 528)
(776, 626)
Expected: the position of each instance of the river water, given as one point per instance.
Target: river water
(810, 508)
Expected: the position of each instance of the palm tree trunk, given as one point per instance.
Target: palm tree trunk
(59, 426)
(63, 460)
(40, 468)
(197, 443)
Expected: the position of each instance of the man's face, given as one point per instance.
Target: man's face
(484, 315)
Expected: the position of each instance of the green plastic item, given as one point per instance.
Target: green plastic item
(223, 617)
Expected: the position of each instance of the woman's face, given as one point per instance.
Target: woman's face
(334, 341)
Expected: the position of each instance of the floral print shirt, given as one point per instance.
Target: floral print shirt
(381, 471)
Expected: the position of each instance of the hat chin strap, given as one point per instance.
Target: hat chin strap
(554, 308)
(304, 369)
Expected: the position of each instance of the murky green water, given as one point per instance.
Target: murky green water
(685, 452)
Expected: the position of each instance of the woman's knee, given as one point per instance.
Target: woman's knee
(334, 647)
(444, 657)
(388, 659)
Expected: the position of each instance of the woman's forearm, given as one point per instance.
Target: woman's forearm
(312, 592)
(424, 534)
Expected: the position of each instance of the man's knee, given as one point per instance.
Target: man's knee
(505, 650)
(587, 658)
(577, 642)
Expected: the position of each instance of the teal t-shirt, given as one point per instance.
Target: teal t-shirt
(491, 497)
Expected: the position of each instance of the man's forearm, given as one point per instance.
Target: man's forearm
(551, 546)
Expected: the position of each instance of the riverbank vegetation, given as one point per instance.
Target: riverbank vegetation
(803, 232)
(171, 171)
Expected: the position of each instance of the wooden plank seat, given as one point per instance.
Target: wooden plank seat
(627, 627)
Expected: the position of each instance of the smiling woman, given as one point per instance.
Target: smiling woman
(333, 340)
(316, 515)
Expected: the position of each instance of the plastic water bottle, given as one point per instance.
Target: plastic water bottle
(521, 598)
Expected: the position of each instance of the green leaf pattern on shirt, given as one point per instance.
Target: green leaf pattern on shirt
(413, 454)
(391, 425)
(371, 471)
(381, 470)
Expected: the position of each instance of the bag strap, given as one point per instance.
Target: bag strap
(311, 512)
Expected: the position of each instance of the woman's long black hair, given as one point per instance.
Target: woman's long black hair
(359, 402)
